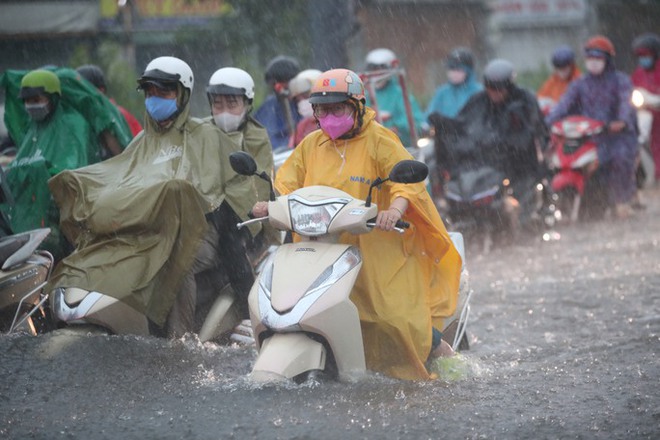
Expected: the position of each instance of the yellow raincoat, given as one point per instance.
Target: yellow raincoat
(408, 283)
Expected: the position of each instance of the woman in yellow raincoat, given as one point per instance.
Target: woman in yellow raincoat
(408, 283)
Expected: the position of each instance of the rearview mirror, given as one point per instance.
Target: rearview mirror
(409, 171)
(406, 171)
(243, 163)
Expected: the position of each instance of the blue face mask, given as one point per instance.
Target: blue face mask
(159, 108)
(645, 62)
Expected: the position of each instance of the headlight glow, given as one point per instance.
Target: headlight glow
(637, 98)
(312, 220)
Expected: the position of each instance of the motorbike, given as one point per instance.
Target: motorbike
(303, 320)
(574, 159)
(478, 202)
(645, 102)
(23, 276)
(219, 308)
(24, 271)
(477, 198)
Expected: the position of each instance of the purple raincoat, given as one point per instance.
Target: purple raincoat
(606, 97)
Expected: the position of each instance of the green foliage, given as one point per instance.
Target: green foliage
(255, 31)
(533, 79)
(119, 76)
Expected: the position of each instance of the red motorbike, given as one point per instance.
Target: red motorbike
(575, 163)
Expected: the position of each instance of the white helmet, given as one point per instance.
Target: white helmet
(163, 70)
(381, 59)
(303, 82)
(231, 81)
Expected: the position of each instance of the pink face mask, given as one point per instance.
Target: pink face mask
(336, 126)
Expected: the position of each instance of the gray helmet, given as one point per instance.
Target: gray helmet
(499, 74)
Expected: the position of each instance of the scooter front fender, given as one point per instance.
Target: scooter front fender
(284, 356)
(78, 306)
(568, 179)
(222, 317)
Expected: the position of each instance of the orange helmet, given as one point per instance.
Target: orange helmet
(337, 85)
(600, 43)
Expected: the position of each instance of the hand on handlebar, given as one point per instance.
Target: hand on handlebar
(387, 219)
(260, 209)
(616, 126)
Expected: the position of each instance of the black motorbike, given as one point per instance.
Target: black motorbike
(481, 201)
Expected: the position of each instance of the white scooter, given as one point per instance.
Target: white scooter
(218, 310)
(86, 310)
(303, 320)
(645, 101)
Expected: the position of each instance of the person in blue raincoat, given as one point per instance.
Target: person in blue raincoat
(389, 96)
(461, 84)
(278, 114)
(603, 93)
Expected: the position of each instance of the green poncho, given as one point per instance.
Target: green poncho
(77, 95)
(67, 139)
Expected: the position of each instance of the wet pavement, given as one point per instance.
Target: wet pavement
(565, 343)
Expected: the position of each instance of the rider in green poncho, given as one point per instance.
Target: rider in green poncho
(55, 130)
(148, 221)
(230, 92)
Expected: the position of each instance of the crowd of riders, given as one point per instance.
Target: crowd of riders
(159, 194)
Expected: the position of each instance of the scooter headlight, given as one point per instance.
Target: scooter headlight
(347, 261)
(637, 98)
(266, 277)
(312, 220)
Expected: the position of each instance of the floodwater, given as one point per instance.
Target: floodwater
(565, 343)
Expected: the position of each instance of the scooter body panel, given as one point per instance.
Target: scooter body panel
(568, 178)
(24, 273)
(22, 279)
(78, 306)
(287, 355)
(294, 308)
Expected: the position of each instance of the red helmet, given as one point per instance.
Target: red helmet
(601, 43)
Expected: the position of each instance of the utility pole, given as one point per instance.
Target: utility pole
(126, 8)
(331, 22)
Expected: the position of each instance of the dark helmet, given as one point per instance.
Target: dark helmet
(647, 44)
(93, 74)
(281, 69)
(460, 57)
(499, 74)
(563, 56)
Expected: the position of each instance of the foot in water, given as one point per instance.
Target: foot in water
(442, 350)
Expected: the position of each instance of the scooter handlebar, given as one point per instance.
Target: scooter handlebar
(249, 222)
(400, 226)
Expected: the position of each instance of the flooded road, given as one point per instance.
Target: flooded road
(565, 343)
